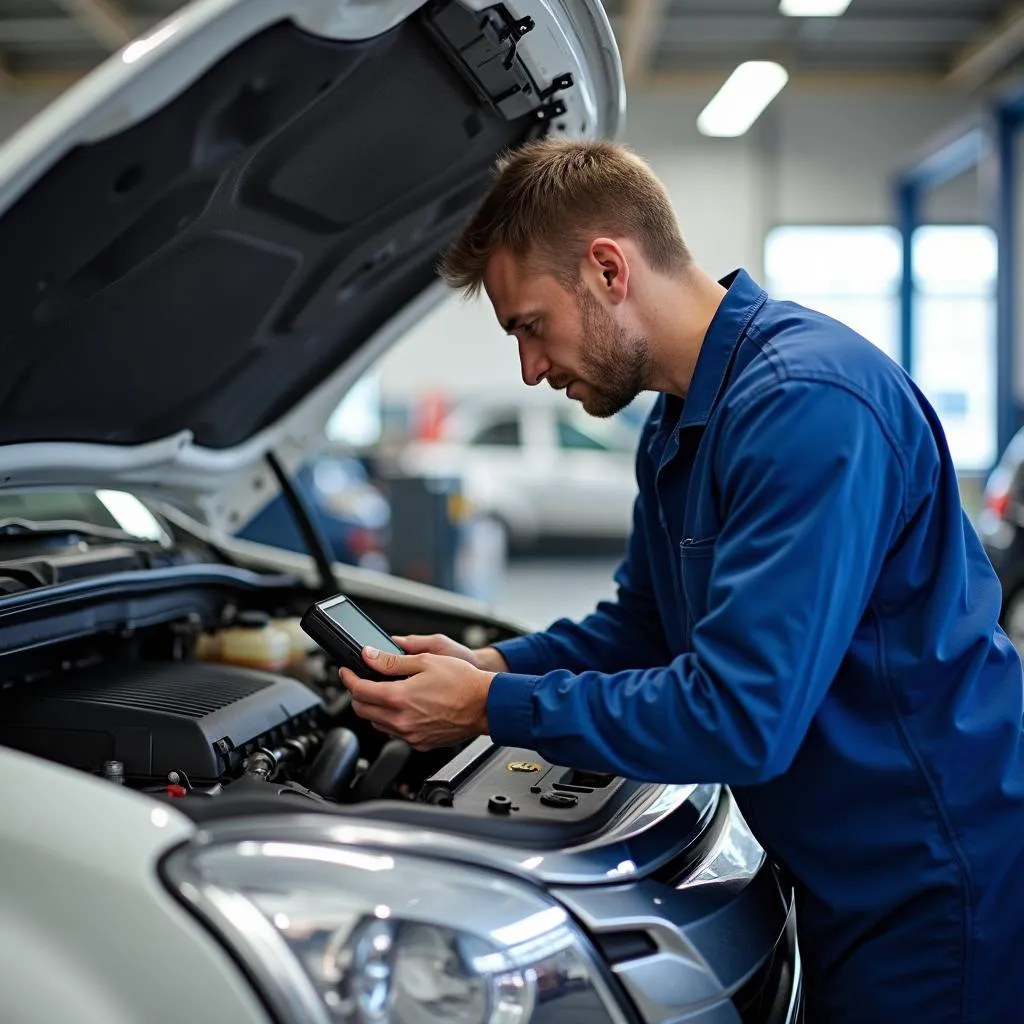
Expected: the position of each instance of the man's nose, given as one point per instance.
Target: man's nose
(533, 363)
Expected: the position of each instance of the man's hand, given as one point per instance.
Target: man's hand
(442, 700)
(488, 658)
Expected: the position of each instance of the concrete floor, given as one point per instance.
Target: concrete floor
(536, 591)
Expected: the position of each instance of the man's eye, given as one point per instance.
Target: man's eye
(530, 328)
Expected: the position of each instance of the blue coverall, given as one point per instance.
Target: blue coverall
(805, 613)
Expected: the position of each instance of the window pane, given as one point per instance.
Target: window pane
(954, 339)
(954, 365)
(504, 433)
(958, 260)
(849, 273)
(862, 261)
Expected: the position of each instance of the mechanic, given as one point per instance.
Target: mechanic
(804, 612)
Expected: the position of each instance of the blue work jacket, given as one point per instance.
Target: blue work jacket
(805, 613)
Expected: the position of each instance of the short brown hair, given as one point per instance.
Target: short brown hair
(552, 197)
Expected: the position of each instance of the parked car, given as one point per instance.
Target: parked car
(205, 243)
(538, 466)
(1001, 526)
(349, 509)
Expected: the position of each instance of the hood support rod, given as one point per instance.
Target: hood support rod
(309, 527)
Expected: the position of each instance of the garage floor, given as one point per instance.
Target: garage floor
(537, 591)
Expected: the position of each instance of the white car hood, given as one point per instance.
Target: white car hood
(143, 236)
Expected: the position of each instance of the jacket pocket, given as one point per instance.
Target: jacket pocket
(696, 560)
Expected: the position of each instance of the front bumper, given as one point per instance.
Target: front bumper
(722, 937)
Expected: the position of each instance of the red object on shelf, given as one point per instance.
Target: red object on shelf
(431, 411)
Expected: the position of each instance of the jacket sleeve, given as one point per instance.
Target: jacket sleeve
(812, 496)
(624, 633)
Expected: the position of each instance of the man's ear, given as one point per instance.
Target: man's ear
(608, 269)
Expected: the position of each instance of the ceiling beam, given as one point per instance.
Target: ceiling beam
(109, 25)
(641, 27)
(980, 61)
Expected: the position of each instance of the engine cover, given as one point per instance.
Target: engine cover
(156, 717)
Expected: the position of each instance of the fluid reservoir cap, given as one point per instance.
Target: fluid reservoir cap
(561, 800)
(499, 804)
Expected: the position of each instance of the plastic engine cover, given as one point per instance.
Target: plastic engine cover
(198, 718)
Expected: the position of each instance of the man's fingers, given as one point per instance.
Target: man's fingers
(378, 717)
(367, 692)
(393, 664)
(434, 644)
(384, 720)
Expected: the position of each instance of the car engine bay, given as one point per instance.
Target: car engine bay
(245, 714)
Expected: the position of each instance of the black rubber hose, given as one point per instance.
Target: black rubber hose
(331, 771)
(382, 773)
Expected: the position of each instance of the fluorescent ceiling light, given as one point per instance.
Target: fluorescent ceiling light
(813, 8)
(743, 97)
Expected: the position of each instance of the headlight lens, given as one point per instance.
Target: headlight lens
(350, 936)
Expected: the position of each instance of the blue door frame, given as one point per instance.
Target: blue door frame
(988, 144)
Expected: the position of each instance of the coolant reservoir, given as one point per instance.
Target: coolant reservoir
(208, 647)
(254, 642)
(302, 645)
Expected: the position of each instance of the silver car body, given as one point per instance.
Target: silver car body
(88, 932)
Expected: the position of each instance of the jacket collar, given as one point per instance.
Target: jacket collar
(742, 301)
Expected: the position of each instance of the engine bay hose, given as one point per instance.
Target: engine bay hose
(332, 769)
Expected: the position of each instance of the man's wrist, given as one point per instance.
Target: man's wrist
(490, 659)
(482, 726)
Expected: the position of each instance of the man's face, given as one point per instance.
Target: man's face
(567, 337)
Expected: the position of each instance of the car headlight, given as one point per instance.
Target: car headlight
(335, 934)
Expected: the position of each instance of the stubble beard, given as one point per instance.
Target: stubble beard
(615, 363)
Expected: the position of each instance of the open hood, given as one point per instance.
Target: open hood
(206, 241)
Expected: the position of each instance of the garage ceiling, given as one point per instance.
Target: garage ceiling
(965, 43)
